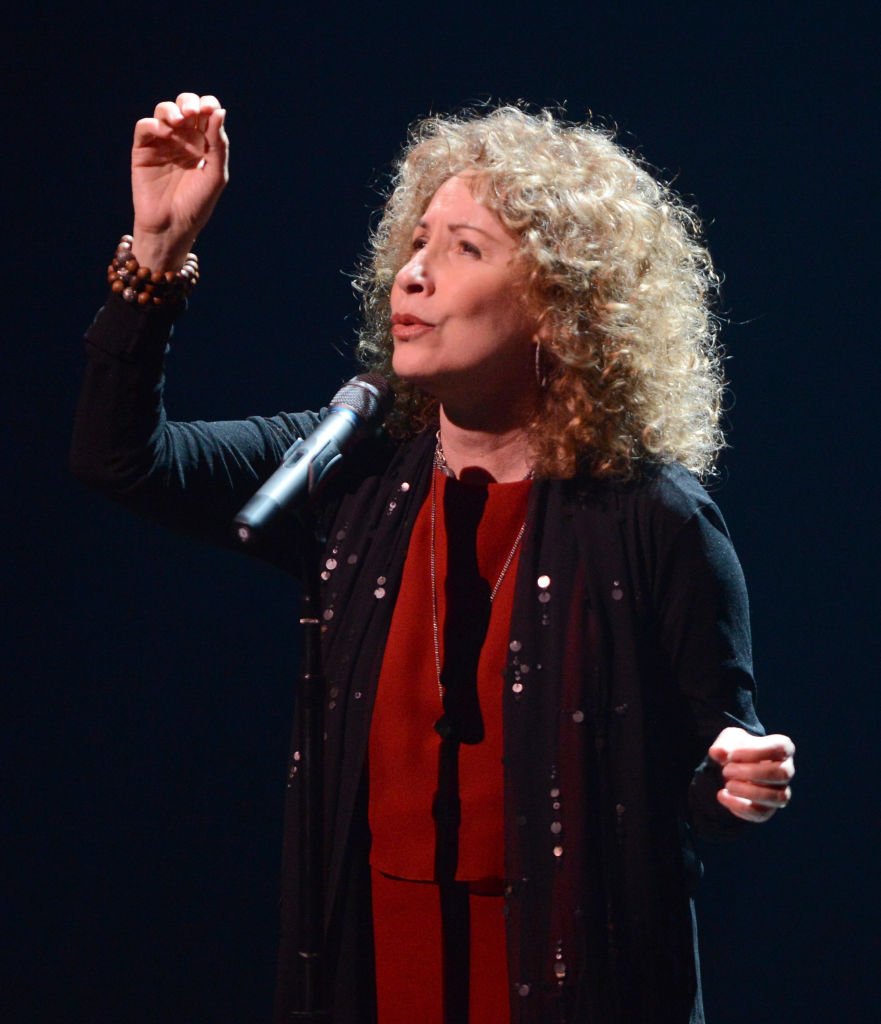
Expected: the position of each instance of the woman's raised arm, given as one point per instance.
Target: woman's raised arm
(192, 476)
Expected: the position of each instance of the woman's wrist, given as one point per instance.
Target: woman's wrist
(158, 251)
(148, 286)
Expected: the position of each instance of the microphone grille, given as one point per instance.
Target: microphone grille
(368, 395)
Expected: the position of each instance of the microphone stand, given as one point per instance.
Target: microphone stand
(310, 713)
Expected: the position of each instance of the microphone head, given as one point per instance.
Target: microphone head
(355, 411)
(369, 396)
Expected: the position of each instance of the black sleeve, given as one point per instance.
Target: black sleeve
(190, 476)
(705, 632)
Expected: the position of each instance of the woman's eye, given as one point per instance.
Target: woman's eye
(469, 248)
(418, 243)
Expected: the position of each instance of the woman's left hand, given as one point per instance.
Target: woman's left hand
(757, 772)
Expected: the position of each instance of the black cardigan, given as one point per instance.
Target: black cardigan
(629, 646)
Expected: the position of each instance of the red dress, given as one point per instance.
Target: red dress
(438, 881)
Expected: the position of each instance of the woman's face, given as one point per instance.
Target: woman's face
(458, 321)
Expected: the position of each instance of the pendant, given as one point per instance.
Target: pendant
(445, 728)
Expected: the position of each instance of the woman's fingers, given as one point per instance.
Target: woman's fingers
(764, 748)
(755, 792)
(146, 129)
(766, 796)
(764, 772)
(734, 744)
(188, 131)
(189, 108)
(217, 146)
(743, 808)
(189, 103)
(756, 770)
(207, 106)
(168, 112)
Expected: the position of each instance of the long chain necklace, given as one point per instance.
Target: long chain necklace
(440, 463)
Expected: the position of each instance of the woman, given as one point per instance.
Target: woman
(532, 515)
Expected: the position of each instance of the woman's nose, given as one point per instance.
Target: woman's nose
(413, 276)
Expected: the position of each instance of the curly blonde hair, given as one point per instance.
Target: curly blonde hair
(614, 267)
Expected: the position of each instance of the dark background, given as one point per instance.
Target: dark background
(148, 679)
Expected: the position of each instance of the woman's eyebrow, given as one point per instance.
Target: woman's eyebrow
(459, 227)
(471, 227)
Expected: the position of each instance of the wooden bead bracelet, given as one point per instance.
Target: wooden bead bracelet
(146, 287)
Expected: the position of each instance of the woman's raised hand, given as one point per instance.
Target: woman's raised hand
(179, 168)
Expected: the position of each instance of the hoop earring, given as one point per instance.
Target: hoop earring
(541, 377)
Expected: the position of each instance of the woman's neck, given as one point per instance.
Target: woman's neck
(501, 454)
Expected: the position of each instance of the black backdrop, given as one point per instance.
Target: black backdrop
(149, 679)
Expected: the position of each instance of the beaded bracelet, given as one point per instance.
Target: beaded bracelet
(144, 287)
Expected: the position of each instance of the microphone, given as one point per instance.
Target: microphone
(356, 411)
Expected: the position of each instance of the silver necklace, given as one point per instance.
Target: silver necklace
(441, 464)
(440, 459)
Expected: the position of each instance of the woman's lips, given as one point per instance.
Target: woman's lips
(406, 326)
(406, 332)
